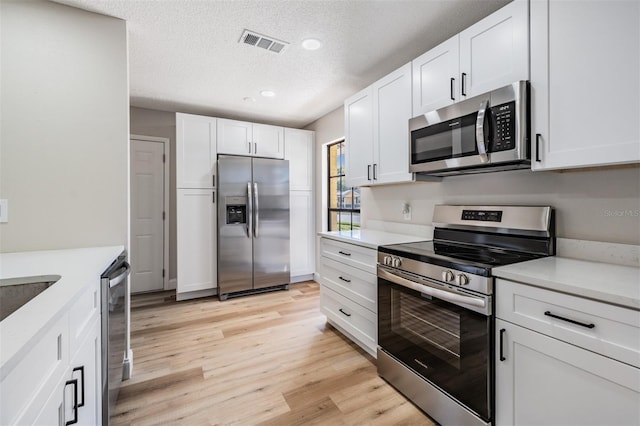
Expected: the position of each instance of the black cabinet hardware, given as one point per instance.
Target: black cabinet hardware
(345, 280)
(582, 324)
(81, 370)
(73, 382)
(453, 82)
(538, 136)
(344, 253)
(464, 84)
(344, 313)
(375, 171)
(369, 172)
(502, 358)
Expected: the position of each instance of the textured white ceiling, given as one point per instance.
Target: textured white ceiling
(185, 56)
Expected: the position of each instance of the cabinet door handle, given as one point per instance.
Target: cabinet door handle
(375, 171)
(213, 179)
(538, 136)
(214, 197)
(249, 147)
(344, 313)
(463, 84)
(453, 82)
(344, 279)
(255, 147)
(81, 370)
(368, 171)
(344, 253)
(582, 324)
(73, 382)
(502, 358)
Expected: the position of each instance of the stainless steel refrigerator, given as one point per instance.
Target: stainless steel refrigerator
(253, 225)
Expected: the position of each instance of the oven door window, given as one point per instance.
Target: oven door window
(442, 342)
(449, 139)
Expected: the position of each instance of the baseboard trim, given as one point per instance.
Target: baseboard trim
(172, 284)
(195, 294)
(301, 278)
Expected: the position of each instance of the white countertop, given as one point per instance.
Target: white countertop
(78, 268)
(371, 238)
(616, 284)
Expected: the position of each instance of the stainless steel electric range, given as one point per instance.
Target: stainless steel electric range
(435, 306)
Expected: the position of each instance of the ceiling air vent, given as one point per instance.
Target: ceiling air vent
(253, 38)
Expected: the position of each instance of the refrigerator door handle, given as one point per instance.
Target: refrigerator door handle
(257, 211)
(250, 209)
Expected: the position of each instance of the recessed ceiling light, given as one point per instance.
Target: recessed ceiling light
(311, 44)
(268, 93)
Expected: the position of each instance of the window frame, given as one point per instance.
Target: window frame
(339, 176)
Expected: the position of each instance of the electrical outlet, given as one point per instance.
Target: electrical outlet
(4, 211)
(406, 211)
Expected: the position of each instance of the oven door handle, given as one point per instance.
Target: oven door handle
(440, 294)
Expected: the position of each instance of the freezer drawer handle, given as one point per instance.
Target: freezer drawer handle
(502, 358)
(344, 253)
(344, 279)
(582, 324)
(344, 313)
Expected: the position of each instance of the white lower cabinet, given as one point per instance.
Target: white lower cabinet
(348, 292)
(197, 234)
(41, 388)
(541, 379)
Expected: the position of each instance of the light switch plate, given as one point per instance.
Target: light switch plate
(4, 211)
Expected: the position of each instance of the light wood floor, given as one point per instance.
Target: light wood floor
(262, 359)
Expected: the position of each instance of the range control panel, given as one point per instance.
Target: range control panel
(504, 125)
(482, 215)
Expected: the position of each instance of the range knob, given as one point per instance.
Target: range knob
(462, 279)
(387, 260)
(447, 276)
(397, 262)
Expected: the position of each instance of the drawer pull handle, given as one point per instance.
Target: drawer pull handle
(502, 358)
(81, 370)
(344, 253)
(73, 382)
(549, 314)
(344, 313)
(345, 280)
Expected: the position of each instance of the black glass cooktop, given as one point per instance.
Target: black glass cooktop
(473, 259)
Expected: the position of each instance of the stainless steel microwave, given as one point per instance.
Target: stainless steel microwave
(486, 133)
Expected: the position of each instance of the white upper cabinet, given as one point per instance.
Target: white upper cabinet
(299, 150)
(585, 83)
(377, 132)
(250, 139)
(195, 151)
(495, 51)
(392, 111)
(358, 122)
(268, 141)
(434, 77)
(490, 54)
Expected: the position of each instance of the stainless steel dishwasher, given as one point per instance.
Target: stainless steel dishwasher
(114, 288)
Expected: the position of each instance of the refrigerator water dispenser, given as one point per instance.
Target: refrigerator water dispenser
(236, 208)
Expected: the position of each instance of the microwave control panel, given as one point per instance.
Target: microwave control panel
(504, 125)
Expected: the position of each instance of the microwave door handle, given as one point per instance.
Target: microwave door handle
(480, 138)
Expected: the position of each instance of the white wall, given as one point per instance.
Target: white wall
(149, 122)
(64, 136)
(600, 204)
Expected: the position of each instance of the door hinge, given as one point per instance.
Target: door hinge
(163, 216)
(164, 158)
(163, 273)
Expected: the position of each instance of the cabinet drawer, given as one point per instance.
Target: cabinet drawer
(36, 374)
(606, 329)
(360, 322)
(82, 313)
(353, 283)
(350, 254)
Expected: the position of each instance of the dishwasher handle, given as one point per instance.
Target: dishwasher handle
(116, 279)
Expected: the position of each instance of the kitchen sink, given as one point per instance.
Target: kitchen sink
(16, 292)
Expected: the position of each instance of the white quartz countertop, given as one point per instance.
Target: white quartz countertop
(616, 284)
(371, 238)
(77, 268)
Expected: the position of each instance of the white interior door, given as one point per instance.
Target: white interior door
(147, 210)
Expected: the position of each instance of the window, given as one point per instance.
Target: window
(344, 202)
